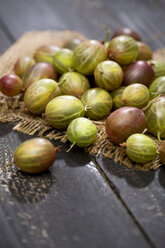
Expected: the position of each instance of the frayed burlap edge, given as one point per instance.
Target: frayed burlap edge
(14, 110)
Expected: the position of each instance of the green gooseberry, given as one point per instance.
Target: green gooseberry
(88, 55)
(123, 49)
(39, 94)
(28, 154)
(158, 67)
(157, 87)
(61, 110)
(35, 155)
(98, 103)
(38, 71)
(136, 95)
(81, 132)
(73, 83)
(22, 65)
(140, 148)
(63, 60)
(155, 116)
(108, 75)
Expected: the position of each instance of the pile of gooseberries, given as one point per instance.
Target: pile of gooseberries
(114, 80)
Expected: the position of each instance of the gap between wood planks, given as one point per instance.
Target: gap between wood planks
(116, 192)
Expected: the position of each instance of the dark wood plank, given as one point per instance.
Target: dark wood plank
(5, 230)
(30, 15)
(4, 42)
(142, 192)
(147, 17)
(68, 206)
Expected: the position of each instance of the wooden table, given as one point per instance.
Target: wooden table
(82, 201)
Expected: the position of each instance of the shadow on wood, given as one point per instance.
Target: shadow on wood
(135, 178)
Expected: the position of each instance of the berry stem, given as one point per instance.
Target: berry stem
(158, 137)
(71, 69)
(57, 149)
(123, 144)
(87, 107)
(62, 82)
(71, 146)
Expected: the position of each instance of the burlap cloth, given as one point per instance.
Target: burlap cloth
(13, 109)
